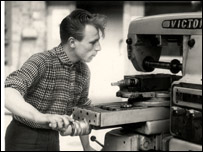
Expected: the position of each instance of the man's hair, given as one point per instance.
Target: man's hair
(74, 24)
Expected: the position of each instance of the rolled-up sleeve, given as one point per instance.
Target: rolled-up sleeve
(27, 75)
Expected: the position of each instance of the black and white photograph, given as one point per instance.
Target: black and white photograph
(101, 75)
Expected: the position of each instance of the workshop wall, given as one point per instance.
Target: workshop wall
(28, 30)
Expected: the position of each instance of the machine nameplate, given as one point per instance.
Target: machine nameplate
(190, 23)
(187, 97)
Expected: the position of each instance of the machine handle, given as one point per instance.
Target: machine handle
(93, 138)
(174, 66)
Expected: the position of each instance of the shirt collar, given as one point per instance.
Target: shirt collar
(63, 57)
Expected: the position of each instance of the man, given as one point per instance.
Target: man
(41, 94)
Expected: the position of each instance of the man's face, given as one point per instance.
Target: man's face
(87, 49)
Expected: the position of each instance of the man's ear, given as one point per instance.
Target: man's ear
(71, 42)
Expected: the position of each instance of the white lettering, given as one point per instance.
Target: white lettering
(195, 23)
(183, 25)
(178, 23)
(189, 23)
(173, 23)
(200, 24)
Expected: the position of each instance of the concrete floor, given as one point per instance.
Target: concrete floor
(69, 143)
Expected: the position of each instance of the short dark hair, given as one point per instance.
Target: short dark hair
(73, 25)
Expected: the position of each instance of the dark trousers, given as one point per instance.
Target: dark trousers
(20, 137)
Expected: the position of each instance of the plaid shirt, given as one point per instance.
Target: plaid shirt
(51, 83)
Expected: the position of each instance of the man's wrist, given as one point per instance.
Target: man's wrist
(41, 118)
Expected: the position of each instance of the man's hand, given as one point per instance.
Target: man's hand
(66, 131)
(58, 122)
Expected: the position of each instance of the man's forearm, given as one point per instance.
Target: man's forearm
(17, 105)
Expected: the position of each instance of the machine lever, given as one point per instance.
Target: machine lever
(174, 66)
(93, 138)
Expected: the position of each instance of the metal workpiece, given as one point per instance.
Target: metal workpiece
(100, 117)
(146, 85)
(125, 82)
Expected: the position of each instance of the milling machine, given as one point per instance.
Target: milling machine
(162, 111)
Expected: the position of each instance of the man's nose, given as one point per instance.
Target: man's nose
(97, 46)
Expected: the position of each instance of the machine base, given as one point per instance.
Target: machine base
(181, 145)
(119, 140)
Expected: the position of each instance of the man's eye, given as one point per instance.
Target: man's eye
(92, 43)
